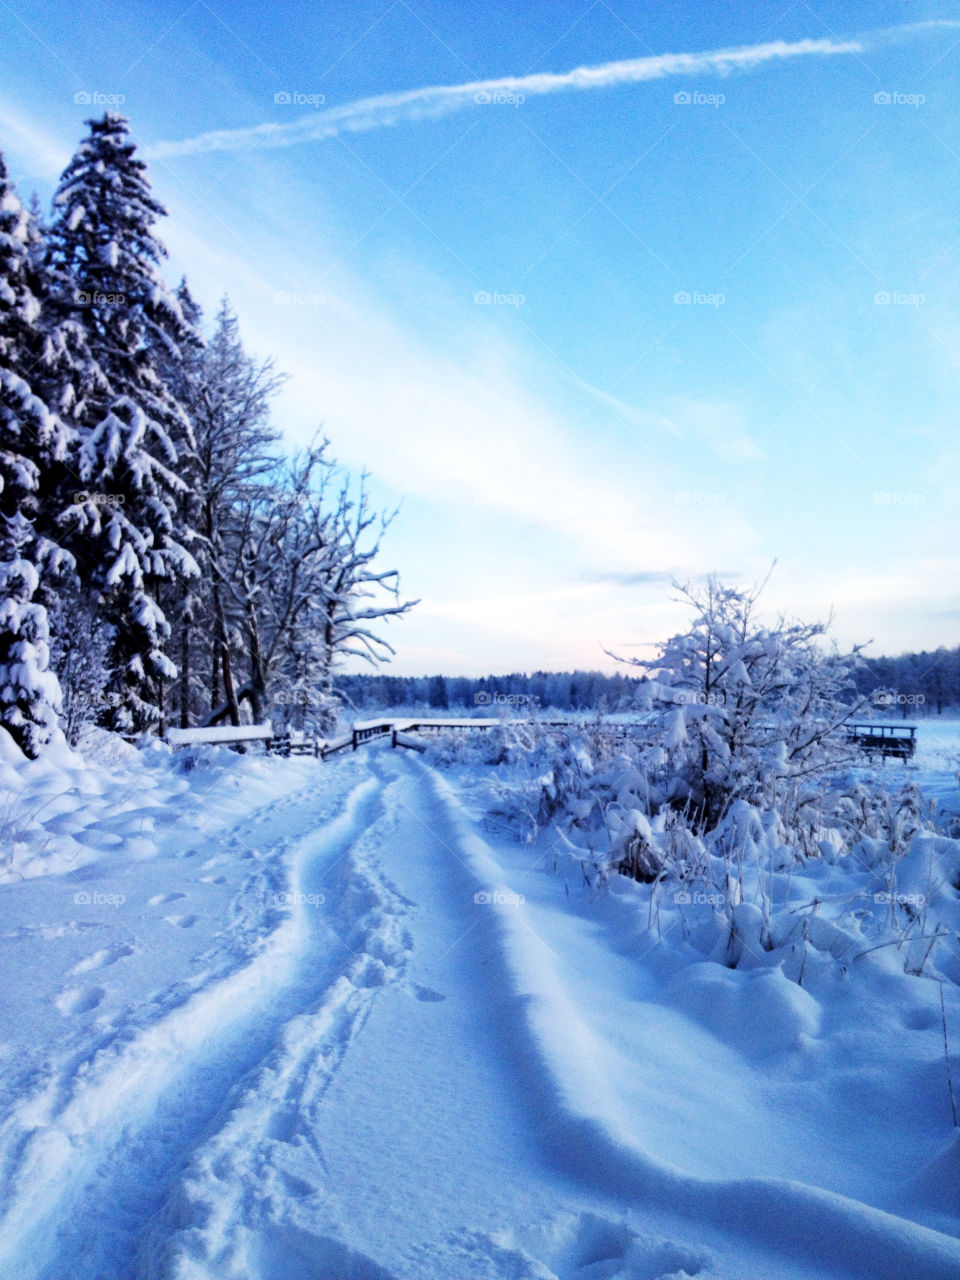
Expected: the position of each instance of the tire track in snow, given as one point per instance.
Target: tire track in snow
(94, 1171)
(800, 1220)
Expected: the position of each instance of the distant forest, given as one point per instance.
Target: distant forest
(914, 684)
(919, 683)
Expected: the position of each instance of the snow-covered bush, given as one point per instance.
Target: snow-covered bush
(739, 710)
(736, 803)
(504, 743)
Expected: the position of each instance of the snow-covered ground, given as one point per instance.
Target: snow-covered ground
(286, 1018)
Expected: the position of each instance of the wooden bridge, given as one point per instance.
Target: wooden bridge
(898, 740)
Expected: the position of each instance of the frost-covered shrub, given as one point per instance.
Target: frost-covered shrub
(739, 813)
(502, 744)
(738, 710)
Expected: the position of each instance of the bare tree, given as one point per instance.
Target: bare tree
(302, 590)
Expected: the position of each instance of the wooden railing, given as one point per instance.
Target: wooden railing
(289, 743)
(893, 740)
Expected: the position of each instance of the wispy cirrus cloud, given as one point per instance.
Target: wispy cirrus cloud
(441, 100)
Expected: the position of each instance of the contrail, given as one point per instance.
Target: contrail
(442, 100)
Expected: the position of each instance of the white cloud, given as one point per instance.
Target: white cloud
(466, 432)
(440, 100)
(42, 152)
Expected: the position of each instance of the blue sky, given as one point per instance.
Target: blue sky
(567, 447)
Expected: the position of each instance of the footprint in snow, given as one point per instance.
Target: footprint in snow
(161, 899)
(587, 1246)
(919, 1019)
(426, 994)
(182, 922)
(76, 1000)
(213, 879)
(100, 959)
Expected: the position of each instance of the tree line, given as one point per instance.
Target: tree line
(161, 558)
(563, 690)
(912, 684)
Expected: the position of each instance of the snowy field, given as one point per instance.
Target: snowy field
(282, 1018)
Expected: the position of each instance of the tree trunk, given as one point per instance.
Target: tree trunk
(185, 677)
(258, 683)
(232, 702)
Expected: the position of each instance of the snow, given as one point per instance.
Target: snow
(221, 733)
(411, 722)
(267, 1018)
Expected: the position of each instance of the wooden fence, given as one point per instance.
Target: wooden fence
(874, 738)
(290, 743)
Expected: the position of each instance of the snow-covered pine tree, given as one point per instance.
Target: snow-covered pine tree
(182, 597)
(33, 438)
(123, 525)
(29, 692)
(26, 426)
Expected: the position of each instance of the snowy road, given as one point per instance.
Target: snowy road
(355, 1069)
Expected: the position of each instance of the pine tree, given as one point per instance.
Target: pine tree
(29, 692)
(123, 526)
(32, 439)
(29, 433)
(182, 598)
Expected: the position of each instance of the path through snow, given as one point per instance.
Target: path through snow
(350, 1068)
